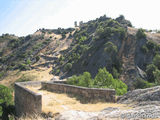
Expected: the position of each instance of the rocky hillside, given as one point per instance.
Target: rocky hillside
(128, 53)
(32, 51)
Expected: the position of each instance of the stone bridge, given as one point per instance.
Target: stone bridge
(28, 102)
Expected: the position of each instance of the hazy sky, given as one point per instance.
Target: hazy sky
(22, 17)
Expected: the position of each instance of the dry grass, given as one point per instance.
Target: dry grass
(42, 74)
(11, 78)
(56, 103)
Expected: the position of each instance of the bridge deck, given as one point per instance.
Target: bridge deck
(55, 102)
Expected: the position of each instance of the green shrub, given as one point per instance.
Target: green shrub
(61, 58)
(150, 45)
(100, 32)
(2, 74)
(140, 34)
(103, 79)
(149, 70)
(156, 61)
(85, 80)
(37, 58)
(107, 29)
(140, 83)
(110, 48)
(82, 39)
(74, 80)
(156, 74)
(57, 71)
(120, 87)
(28, 62)
(144, 49)
(83, 48)
(68, 67)
(23, 66)
(63, 35)
(5, 97)
(115, 73)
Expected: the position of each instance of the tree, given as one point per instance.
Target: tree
(150, 45)
(110, 48)
(85, 80)
(140, 83)
(149, 70)
(140, 34)
(156, 74)
(120, 87)
(5, 102)
(115, 73)
(5, 95)
(73, 80)
(37, 58)
(103, 78)
(68, 67)
(28, 62)
(156, 61)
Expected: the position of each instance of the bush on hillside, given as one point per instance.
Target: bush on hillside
(6, 100)
(5, 95)
(150, 45)
(156, 61)
(37, 58)
(156, 74)
(84, 80)
(107, 29)
(144, 49)
(115, 73)
(74, 80)
(63, 35)
(141, 84)
(140, 34)
(2, 73)
(103, 79)
(68, 67)
(110, 48)
(23, 66)
(149, 70)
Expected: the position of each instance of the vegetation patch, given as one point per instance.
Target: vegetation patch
(6, 100)
(103, 79)
(141, 34)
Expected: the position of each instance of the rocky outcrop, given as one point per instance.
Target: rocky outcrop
(141, 95)
(142, 104)
(138, 113)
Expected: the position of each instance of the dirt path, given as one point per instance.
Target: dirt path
(56, 103)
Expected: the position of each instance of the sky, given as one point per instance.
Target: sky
(23, 17)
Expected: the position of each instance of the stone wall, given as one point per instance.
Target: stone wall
(89, 94)
(27, 102)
